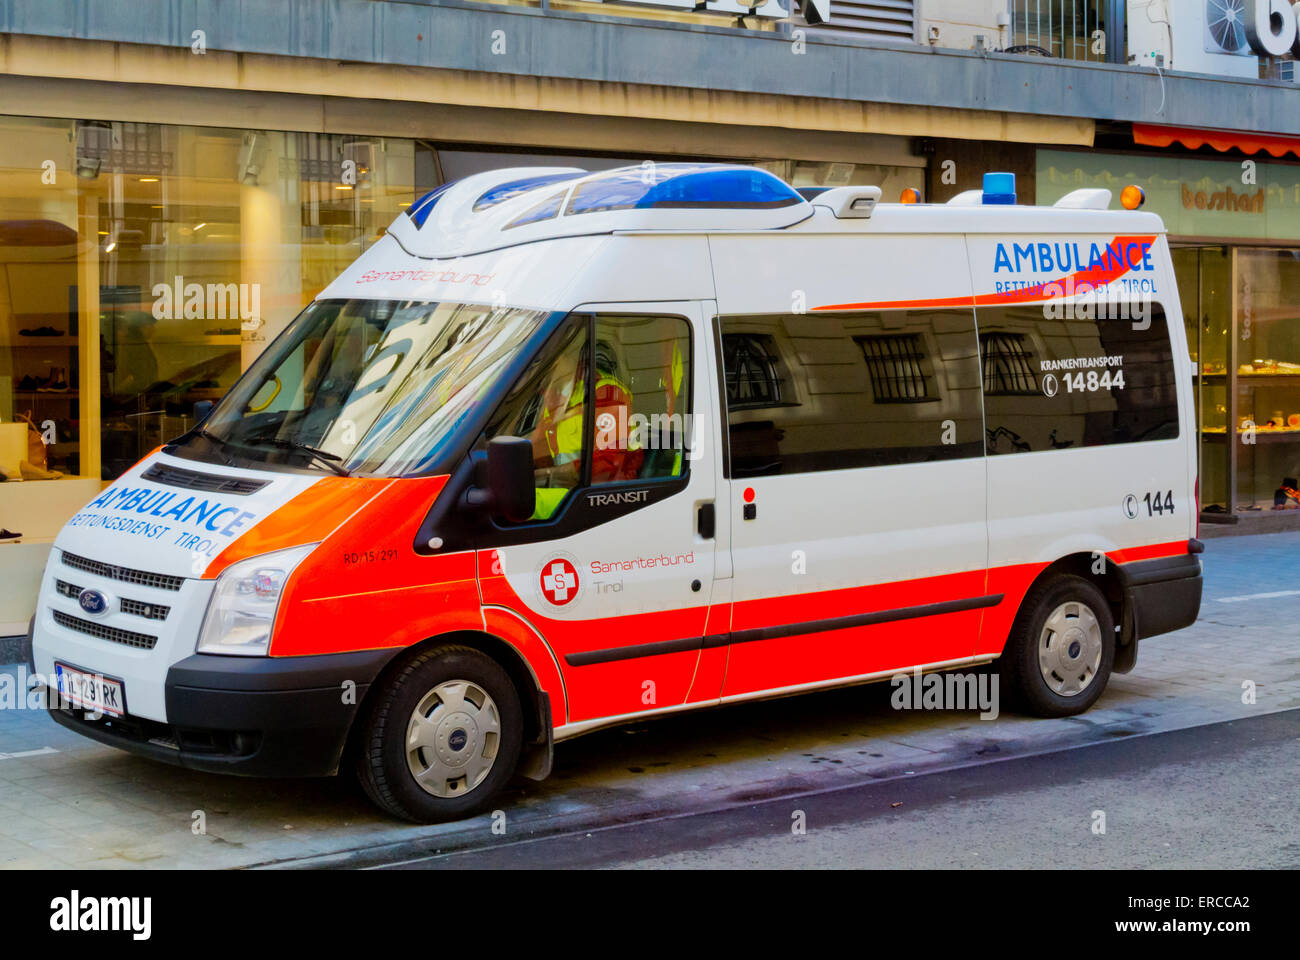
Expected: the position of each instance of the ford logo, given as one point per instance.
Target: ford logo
(92, 601)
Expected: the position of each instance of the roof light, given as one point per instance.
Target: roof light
(682, 185)
(910, 195)
(1000, 189)
(505, 191)
(419, 211)
(548, 209)
(1132, 197)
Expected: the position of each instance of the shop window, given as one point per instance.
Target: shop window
(1267, 391)
(46, 427)
(858, 390)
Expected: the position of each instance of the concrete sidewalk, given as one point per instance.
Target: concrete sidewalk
(67, 801)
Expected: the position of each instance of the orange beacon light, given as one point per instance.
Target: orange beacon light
(1132, 197)
(910, 195)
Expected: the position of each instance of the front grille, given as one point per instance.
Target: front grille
(151, 611)
(162, 581)
(207, 482)
(129, 638)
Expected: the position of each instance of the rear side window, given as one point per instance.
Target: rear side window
(1055, 382)
(812, 392)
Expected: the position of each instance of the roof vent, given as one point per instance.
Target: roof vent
(849, 203)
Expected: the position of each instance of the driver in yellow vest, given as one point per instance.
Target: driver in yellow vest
(618, 456)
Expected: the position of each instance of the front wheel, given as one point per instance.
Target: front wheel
(442, 736)
(1061, 649)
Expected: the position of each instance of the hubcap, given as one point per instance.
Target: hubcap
(452, 738)
(1069, 649)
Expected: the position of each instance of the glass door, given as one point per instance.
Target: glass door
(1205, 289)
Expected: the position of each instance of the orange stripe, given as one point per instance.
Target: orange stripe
(309, 517)
(1086, 279)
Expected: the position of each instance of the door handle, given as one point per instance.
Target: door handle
(706, 521)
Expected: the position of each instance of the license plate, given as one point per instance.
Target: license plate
(91, 691)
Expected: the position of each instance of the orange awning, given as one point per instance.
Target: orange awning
(1154, 135)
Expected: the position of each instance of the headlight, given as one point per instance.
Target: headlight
(241, 612)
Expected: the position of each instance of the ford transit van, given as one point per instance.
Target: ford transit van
(564, 450)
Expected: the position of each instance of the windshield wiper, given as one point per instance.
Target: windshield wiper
(331, 460)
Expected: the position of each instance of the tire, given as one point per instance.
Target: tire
(472, 725)
(1059, 655)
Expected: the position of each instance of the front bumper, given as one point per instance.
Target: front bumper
(250, 716)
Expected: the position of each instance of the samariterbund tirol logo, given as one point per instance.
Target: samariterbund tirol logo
(559, 581)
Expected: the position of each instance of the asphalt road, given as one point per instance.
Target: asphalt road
(719, 787)
(1222, 795)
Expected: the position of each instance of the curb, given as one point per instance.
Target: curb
(15, 650)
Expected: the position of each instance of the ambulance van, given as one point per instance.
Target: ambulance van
(564, 450)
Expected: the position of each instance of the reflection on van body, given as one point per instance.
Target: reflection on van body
(1055, 384)
(833, 392)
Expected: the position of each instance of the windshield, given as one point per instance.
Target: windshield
(368, 386)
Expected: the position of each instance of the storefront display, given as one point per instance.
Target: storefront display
(144, 266)
(1234, 226)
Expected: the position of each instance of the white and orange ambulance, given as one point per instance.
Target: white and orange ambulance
(564, 450)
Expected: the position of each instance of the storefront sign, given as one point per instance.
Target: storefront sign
(1223, 200)
(1196, 198)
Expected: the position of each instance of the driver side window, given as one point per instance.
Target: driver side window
(615, 412)
(548, 408)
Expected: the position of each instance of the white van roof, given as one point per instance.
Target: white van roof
(505, 208)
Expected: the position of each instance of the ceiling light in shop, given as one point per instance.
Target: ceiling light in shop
(147, 180)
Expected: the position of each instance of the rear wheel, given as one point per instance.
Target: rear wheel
(1061, 649)
(442, 736)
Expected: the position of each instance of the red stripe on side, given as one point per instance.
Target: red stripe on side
(1154, 551)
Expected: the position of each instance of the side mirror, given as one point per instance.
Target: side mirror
(509, 492)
